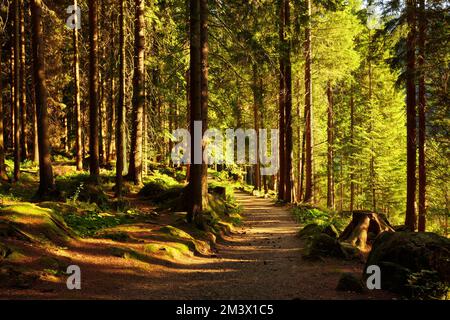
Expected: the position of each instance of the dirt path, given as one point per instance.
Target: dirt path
(262, 261)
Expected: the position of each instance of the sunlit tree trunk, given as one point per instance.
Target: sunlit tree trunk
(135, 167)
(94, 162)
(23, 91)
(3, 175)
(120, 122)
(410, 220)
(308, 111)
(16, 90)
(330, 153)
(421, 111)
(281, 105)
(288, 105)
(46, 181)
(76, 64)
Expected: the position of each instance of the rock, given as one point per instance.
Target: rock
(349, 282)
(351, 252)
(402, 254)
(309, 231)
(331, 231)
(323, 245)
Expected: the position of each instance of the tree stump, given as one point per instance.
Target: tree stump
(363, 224)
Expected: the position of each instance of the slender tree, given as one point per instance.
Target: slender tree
(3, 175)
(76, 65)
(135, 167)
(197, 187)
(421, 111)
(410, 220)
(120, 121)
(46, 181)
(94, 162)
(330, 152)
(288, 105)
(282, 103)
(308, 110)
(23, 89)
(16, 90)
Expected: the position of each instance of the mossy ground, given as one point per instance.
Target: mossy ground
(146, 224)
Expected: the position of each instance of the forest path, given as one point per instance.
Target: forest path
(262, 260)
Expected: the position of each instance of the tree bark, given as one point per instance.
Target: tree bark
(16, 90)
(76, 64)
(282, 102)
(198, 95)
(352, 137)
(23, 92)
(410, 219)
(120, 122)
(421, 111)
(46, 181)
(330, 155)
(3, 175)
(135, 166)
(308, 111)
(94, 162)
(288, 107)
(256, 107)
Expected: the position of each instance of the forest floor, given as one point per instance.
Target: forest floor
(261, 260)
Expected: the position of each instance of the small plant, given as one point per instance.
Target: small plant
(426, 285)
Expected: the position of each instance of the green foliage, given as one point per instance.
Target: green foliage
(426, 285)
(86, 224)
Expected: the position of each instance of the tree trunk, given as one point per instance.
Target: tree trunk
(23, 91)
(288, 107)
(94, 162)
(3, 175)
(16, 90)
(363, 229)
(46, 182)
(135, 167)
(352, 137)
(308, 111)
(76, 64)
(330, 155)
(120, 122)
(195, 188)
(256, 109)
(410, 220)
(282, 102)
(421, 110)
(204, 55)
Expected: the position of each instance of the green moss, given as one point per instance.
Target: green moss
(33, 223)
(175, 232)
(172, 250)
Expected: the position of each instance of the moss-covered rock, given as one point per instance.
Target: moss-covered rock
(310, 231)
(322, 245)
(350, 283)
(401, 254)
(27, 221)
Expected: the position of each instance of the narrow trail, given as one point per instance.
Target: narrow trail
(262, 261)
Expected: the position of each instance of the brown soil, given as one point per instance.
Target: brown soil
(261, 261)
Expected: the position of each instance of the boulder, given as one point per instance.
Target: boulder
(322, 245)
(349, 282)
(331, 231)
(309, 231)
(401, 255)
